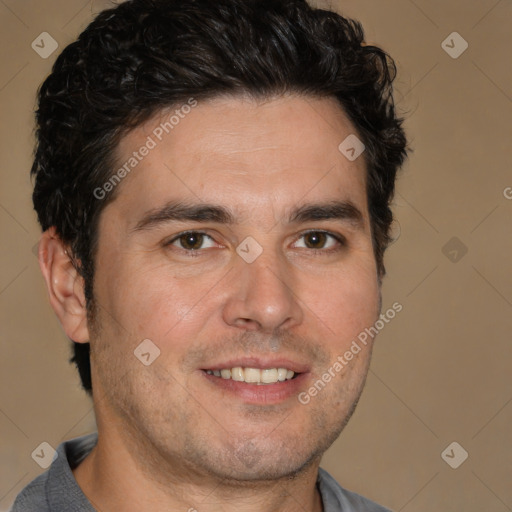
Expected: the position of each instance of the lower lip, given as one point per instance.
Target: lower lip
(259, 394)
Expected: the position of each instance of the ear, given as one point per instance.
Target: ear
(65, 286)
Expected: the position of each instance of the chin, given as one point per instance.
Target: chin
(263, 470)
(251, 461)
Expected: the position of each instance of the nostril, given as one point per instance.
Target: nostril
(248, 323)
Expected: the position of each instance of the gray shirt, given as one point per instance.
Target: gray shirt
(56, 490)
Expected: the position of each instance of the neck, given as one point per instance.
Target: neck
(117, 476)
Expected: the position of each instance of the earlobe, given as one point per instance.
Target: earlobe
(65, 286)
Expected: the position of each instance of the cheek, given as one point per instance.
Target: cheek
(347, 302)
(151, 301)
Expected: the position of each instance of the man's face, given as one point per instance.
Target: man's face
(242, 240)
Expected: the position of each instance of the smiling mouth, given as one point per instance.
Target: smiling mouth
(254, 375)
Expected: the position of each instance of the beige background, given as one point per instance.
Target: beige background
(442, 368)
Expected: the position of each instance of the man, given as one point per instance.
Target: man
(213, 181)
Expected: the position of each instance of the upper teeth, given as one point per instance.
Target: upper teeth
(254, 375)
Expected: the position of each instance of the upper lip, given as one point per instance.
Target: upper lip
(260, 362)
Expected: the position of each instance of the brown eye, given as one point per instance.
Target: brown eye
(315, 239)
(191, 241)
(319, 240)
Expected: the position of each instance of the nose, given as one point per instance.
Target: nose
(261, 297)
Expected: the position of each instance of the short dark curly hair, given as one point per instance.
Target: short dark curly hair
(146, 55)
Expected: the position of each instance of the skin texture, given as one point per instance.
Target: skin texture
(170, 438)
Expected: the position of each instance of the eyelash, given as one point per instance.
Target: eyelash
(340, 239)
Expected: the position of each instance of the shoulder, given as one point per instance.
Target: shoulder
(33, 497)
(336, 499)
(56, 489)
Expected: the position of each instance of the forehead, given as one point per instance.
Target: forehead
(243, 153)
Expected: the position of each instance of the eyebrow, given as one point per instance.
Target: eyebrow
(175, 211)
(202, 212)
(334, 210)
